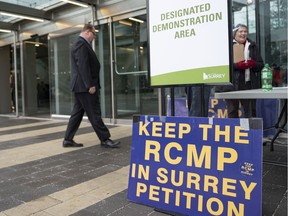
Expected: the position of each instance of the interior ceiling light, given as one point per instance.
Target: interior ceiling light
(22, 17)
(125, 22)
(137, 20)
(4, 30)
(76, 3)
(35, 43)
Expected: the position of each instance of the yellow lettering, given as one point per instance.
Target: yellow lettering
(225, 133)
(180, 178)
(167, 193)
(153, 192)
(133, 170)
(233, 211)
(226, 186)
(212, 113)
(205, 128)
(221, 159)
(141, 188)
(210, 181)
(238, 134)
(189, 197)
(177, 198)
(143, 172)
(204, 155)
(222, 113)
(193, 178)
(248, 189)
(143, 128)
(200, 203)
(156, 129)
(162, 175)
(149, 150)
(184, 129)
(209, 206)
(214, 102)
(170, 128)
(167, 150)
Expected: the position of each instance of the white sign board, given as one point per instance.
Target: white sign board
(188, 42)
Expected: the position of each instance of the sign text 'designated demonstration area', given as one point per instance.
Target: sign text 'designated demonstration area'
(189, 42)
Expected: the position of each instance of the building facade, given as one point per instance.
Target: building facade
(38, 55)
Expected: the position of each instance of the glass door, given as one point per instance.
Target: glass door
(243, 12)
(6, 101)
(36, 77)
(16, 73)
(273, 38)
(132, 94)
(267, 23)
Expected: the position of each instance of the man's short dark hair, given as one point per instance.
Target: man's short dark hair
(88, 26)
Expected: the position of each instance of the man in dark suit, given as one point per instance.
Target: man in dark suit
(86, 86)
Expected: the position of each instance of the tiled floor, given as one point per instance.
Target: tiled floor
(39, 177)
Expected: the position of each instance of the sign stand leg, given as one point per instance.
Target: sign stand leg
(172, 114)
(163, 102)
(202, 100)
(172, 101)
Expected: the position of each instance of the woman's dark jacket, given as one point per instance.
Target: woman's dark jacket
(239, 75)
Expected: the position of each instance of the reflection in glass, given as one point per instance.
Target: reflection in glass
(133, 96)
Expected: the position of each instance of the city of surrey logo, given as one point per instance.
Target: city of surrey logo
(213, 76)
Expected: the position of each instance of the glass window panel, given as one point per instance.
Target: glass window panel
(102, 49)
(17, 74)
(273, 38)
(131, 43)
(37, 4)
(61, 95)
(132, 94)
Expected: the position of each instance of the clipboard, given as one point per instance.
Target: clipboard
(238, 53)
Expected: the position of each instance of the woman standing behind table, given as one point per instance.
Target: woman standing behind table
(247, 74)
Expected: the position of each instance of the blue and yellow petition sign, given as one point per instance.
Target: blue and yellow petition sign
(197, 166)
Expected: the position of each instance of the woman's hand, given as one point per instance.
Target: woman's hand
(251, 63)
(242, 65)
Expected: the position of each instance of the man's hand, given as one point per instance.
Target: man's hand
(92, 90)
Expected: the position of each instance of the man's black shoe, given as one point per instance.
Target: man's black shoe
(110, 144)
(71, 143)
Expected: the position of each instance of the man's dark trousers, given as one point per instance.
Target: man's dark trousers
(89, 103)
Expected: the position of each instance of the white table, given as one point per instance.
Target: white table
(276, 93)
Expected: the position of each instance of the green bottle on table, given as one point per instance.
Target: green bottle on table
(266, 78)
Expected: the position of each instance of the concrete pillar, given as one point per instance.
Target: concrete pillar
(5, 67)
(30, 82)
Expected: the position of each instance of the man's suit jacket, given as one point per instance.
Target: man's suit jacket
(85, 67)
